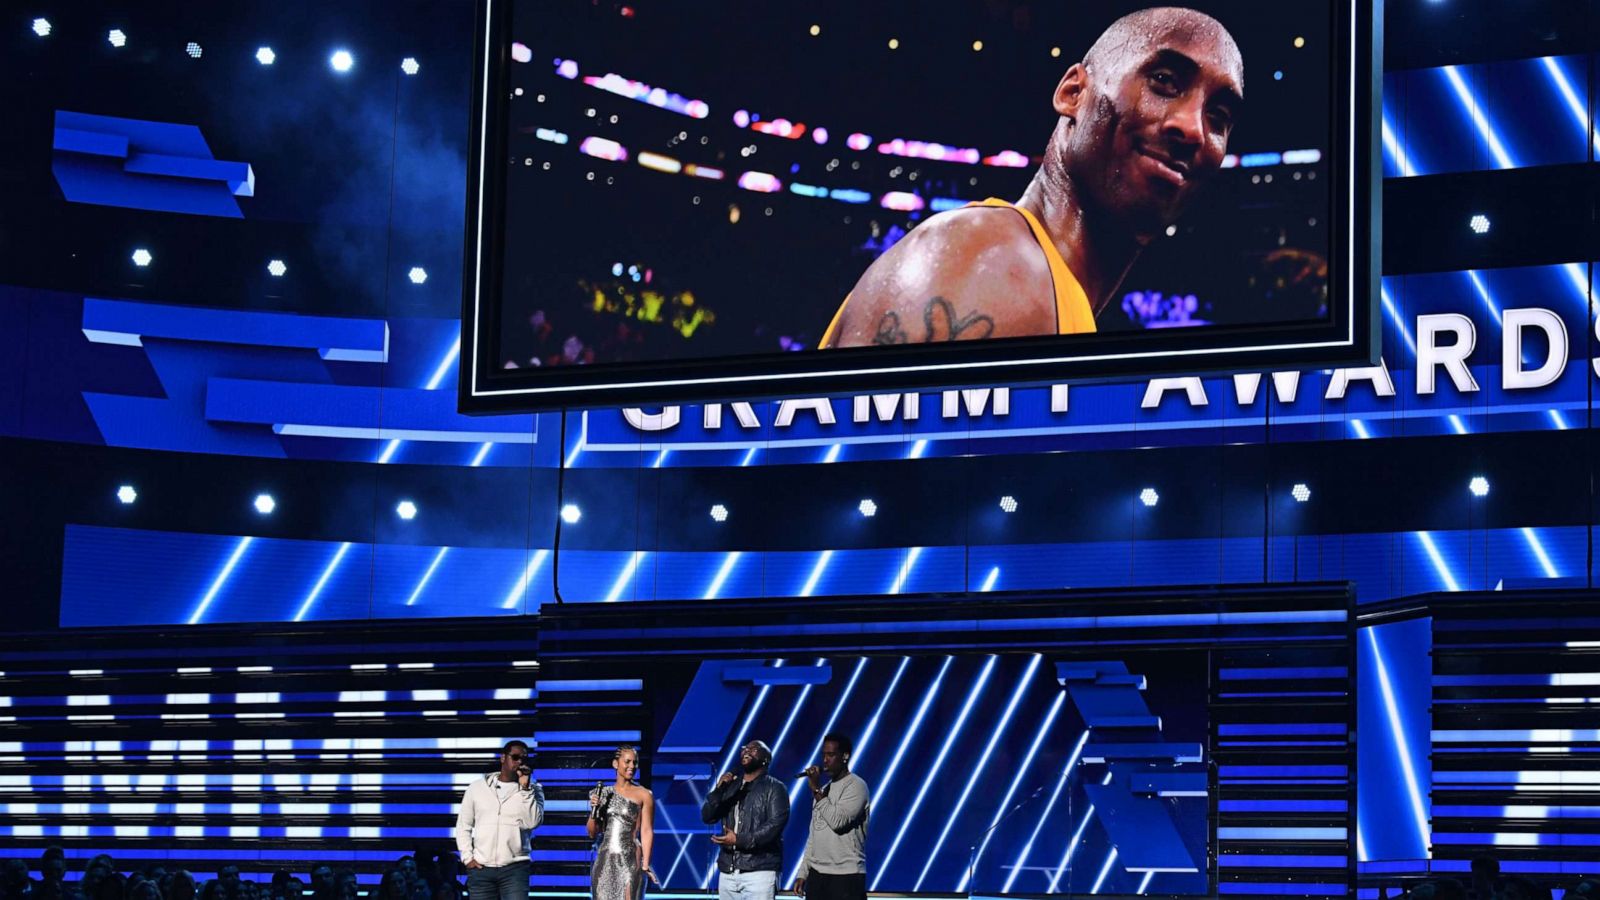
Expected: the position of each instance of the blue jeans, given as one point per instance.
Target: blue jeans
(747, 886)
(499, 883)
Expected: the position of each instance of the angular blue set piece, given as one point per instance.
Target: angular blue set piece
(138, 164)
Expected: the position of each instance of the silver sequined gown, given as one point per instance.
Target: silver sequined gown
(616, 874)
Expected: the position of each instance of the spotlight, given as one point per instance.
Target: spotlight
(1299, 42)
(1055, 52)
(816, 30)
(342, 61)
(277, 268)
(117, 38)
(570, 514)
(1149, 497)
(265, 56)
(1008, 503)
(142, 257)
(406, 510)
(1301, 493)
(868, 508)
(127, 494)
(1479, 486)
(417, 275)
(1480, 224)
(977, 46)
(894, 43)
(193, 50)
(410, 66)
(41, 27)
(265, 504)
(719, 512)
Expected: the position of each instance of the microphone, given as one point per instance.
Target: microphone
(807, 772)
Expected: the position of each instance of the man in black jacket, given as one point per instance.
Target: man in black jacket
(753, 809)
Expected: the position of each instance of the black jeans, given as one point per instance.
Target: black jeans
(499, 883)
(822, 886)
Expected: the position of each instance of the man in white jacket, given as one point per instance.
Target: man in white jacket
(497, 813)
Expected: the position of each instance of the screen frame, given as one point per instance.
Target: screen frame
(1350, 336)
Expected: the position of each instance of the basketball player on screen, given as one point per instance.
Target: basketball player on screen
(1144, 120)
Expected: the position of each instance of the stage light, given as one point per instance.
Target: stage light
(858, 141)
(265, 504)
(1008, 503)
(276, 268)
(521, 53)
(616, 269)
(741, 118)
(1149, 497)
(406, 510)
(193, 50)
(1301, 493)
(410, 66)
(41, 27)
(1055, 52)
(418, 275)
(894, 43)
(570, 514)
(1299, 42)
(816, 30)
(141, 257)
(117, 38)
(1480, 224)
(719, 512)
(265, 56)
(819, 134)
(1479, 486)
(977, 46)
(1277, 75)
(342, 61)
(867, 508)
(127, 494)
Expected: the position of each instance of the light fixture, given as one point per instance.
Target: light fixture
(1480, 224)
(194, 50)
(570, 514)
(1055, 52)
(719, 512)
(1479, 486)
(276, 268)
(1149, 497)
(406, 510)
(116, 37)
(410, 66)
(1299, 42)
(894, 43)
(1008, 503)
(41, 27)
(417, 275)
(977, 46)
(265, 56)
(816, 30)
(1301, 493)
(265, 504)
(127, 494)
(342, 61)
(867, 508)
(141, 257)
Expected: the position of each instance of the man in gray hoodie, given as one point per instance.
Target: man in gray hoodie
(834, 865)
(498, 811)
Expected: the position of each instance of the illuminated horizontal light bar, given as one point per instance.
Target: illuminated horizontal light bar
(929, 150)
(807, 190)
(1007, 159)
(1301, 157)
(858, 141)
(603, 148)
(85, 673)
(551, 135)
(780, 128)
(194, 670)
(704, 172)
(902, 201)
(941, 204)
(660, 163)
(644, 93)
(1255, 160)
(850, 195)
(761, 182)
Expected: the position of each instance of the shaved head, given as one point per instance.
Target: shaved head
(1135, 35)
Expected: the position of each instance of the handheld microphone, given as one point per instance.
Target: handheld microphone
(807, 772)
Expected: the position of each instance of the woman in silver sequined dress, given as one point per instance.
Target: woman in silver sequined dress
(622, 816)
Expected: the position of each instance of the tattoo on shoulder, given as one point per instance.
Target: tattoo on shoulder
(940, 323)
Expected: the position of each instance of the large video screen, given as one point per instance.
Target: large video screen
(672, 202)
